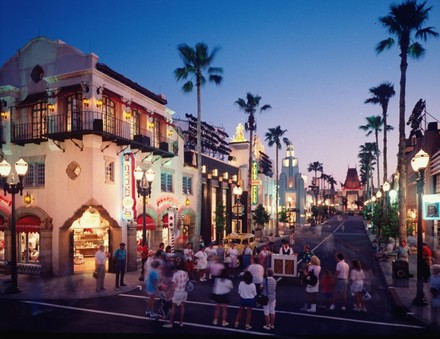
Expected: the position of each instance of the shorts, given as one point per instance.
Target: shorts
(341, 285)
(222, 298)
(179, 297)
(270, 307)
(247, 302)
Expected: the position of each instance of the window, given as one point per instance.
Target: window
(166, 182)
(187, 185)
(29, 247)
(35, 176)
(109, 171)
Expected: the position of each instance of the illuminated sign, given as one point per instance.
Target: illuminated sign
(128, 199)
(255, 182)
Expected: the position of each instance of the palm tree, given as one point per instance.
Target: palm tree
(405, 22)
(374, 124)
(381, 96)
(197, 62)
(367, 161)
(250, 106)
(273, 137)
(316, 167)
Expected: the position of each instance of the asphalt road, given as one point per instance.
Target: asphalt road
(125, 312)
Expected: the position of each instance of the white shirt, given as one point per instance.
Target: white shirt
(247, 291)
(100, 257)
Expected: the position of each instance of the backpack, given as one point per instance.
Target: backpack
(311, 279)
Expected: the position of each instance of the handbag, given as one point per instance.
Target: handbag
(366, 295)
(95, 275)
(262, 299)
(189, 286)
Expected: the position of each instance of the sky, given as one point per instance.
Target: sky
(313, 61)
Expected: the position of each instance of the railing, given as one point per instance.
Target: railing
(61, 127)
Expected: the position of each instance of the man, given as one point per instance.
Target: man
(119, 257)
(285, 248)
(180, 295)
(100, 259)
(341, 282)
(432, 211)
(144, 256)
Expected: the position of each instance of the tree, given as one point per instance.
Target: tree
(250, 106)
(274, 137)
(367, 161)
(315, 167)
(220, 220)
(260, 216)
(405, 23)
(381, 96)
(197, 62)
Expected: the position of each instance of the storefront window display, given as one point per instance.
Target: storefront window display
(29, 247)
(2, 245)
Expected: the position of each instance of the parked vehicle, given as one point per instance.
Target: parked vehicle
(239, 239)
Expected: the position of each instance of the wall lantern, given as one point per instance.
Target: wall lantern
(27, 199)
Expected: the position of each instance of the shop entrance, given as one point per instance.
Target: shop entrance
(89, 232)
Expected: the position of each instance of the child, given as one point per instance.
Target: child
(327, 282)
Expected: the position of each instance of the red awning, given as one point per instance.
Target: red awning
(149, 222)
(28, 224)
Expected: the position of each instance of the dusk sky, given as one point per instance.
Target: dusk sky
(313, 61)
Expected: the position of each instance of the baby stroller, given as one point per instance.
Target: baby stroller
(165, 302)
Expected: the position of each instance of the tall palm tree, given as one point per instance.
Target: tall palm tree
(316, 167)
(381, 96)
(374, 124)
(405, 22)
(367, 156)
(197, 64)
(332, 182)
(250, 106)
(273, 137)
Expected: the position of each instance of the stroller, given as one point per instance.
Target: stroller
(165, 302)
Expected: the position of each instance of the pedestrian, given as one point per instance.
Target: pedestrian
(120, 257)
(292, 239)
(306, 254)
(144, 256)
(202, 263)
(246, 255)
(188, 253)
(357, 277)
(265, 257)
(247, 292)
(221, 253)
(257, 270)
(233, 255)
(100, 260)
(426, 262)
(269, 290)
(434, 289)
(221, 294)
(327, 282)
(211, 253)
(180, 294)
(341, 282)
(313, 268)
(152, 287)
(403, 251)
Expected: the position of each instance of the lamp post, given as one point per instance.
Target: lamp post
(419, 163)
(144, 179)
(237, 192)
(13, 188)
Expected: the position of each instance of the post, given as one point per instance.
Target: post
(144, 219)
(14, 270)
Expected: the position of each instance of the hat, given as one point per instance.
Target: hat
(122, 244)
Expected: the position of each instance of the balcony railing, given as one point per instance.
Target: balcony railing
(61, 127)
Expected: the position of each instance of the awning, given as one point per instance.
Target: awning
(32, 99)
(151, 226)
(28, 224)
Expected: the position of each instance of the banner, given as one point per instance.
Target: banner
(431, 206)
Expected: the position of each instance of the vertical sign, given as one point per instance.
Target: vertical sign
(254, 178)
(128, 189)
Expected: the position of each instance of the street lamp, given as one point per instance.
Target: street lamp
(13, 188)
(237, 192)
(144, 179)
(419, 164)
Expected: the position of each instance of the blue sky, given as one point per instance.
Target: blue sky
(313, 61)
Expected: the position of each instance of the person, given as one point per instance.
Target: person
(357, 277)
(233, 255)
(412, 242)
(403, 251)
(292, 239)
(432, 211)
(34, 255)
(246, 254)
(188, 253)
(162, 248)
(211, 253)
(119, 257)
(269, 289)
(144, 256)
(312, 290)
(327, 287)
(152, 287)
(306, 254)
(341, 282)
(434, 289)
(180, 295)
(221, 294)
(202, 262)
(247, 292)
(78, 258)
(100, 259)
(265, 257)
(201, 242)
(426, 262)
(217, 267)
(221, 253)
(257, 270)
(285, 248)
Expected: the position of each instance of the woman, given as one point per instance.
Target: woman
(313, 268)
(221, 294)
(233, 255)
(247, 292)
(357, 277)
(269, 290)
(202, 263)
